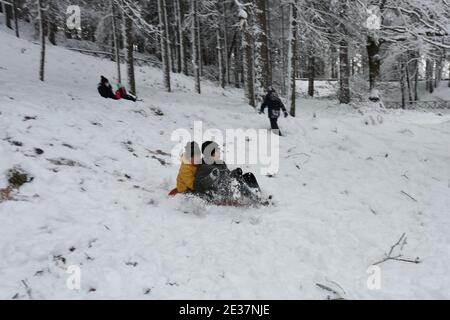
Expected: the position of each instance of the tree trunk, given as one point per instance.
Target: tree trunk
(311, 73)
(168, 36)
(222, 71)
(16, 18)
(178, 36)
(130, 54)
(178, 67)
(416, 75)
(247, 63)
(438, 71)
(51, 21)
(180, 16)
(416, 83)
(164, 44)
(262, 50)
(283, 51)
(199, 42)
(41, 18)
(195, 46)
(292, 53)
(248, 68)
(113, 48)
(173, 48)
(116, 42)
(408, 83)
(225, 42)
(52, 29)
(344, 73)
(429, 76)
(8, 15)
(237, 67)
(334, 71)
(269, 46)
(373, 53)
(402, 84)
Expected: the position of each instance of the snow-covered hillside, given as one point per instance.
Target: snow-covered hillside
(351, 182)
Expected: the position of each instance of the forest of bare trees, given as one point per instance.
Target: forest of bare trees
(254, 44)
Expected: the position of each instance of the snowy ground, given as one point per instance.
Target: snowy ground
(339, 201)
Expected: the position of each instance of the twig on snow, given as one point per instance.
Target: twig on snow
(409, 196)
(399, 244)
(161, 161)
(336, 284)
(308, 157)
(327, 288)
(27, 289)
(158, 152)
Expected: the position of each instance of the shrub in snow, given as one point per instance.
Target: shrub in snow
(18, 177)
(15, 177)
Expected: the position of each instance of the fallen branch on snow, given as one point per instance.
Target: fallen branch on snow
(329, 289)
(27, 289)
(161, 161)
(399, 244)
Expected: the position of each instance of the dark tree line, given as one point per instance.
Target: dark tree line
(253, 44)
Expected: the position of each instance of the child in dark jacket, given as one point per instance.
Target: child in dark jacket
(274, 105)
(215, 182)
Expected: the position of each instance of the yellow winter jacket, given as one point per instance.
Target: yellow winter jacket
(186, 175)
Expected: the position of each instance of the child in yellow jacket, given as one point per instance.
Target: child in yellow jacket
(188, 169)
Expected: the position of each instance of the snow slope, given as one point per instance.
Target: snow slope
(338, 194)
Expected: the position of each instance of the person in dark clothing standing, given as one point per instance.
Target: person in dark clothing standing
(215, 182)
(106, 91)
(275, 106)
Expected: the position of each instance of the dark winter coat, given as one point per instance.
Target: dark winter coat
(210, 177)
(274, 105)
(106, 91)
(217, 184)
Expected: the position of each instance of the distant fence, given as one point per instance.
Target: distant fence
(110, 55)
(439, 104)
